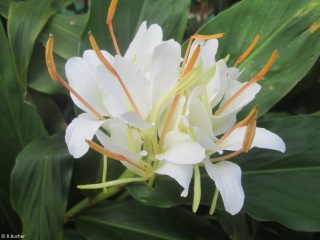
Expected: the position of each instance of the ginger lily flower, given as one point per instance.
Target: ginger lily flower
(158, 114)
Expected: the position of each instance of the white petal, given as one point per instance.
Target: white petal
(205, 140)
(114, 98)
(165, 69)
(137, 44)
(208, 53)
(243, 99)
(135, 120)
(262, 139)
(129, 154)
(181, 149)
(227, 177)
(135, 82)
(93, 61)
(80, 129)
(181, 173)
(83, 80)
(268, 140)
(218, 84)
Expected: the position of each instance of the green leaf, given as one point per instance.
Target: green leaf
(132, 220)
(291, 27)
(25, 21)
(171, 15)
(4, 7)
(278, 187)
(40, 184)
(19, 124)
(66, 30)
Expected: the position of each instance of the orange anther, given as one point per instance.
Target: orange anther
(199, 36)
(247, 52)
(249, 136)
(111, 12)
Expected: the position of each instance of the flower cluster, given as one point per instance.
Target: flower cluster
(160, 114)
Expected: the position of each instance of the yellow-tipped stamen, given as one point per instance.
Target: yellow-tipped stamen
(248, 51)
(199, 36)
(56, 77)
(113, 71)
(254, 79)
(251, 117)
(225, 157)
(249, 136)
(111, 12)
(113, 155)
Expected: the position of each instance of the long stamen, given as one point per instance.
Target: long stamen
(113, 155)
(256, 78)
(113, 71)
(251, 117)
(192, 60)
(247, 52)
(56, 77)
(198, 36)
(111, 12)
(176, 98)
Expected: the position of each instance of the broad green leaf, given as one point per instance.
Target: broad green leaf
(278, 187)
(291, 27)
(171, 15)
(132, 220)
(66, 30)
(281, 187)
(4, 7)
(19, 124)
(25, 21)
(40, 184)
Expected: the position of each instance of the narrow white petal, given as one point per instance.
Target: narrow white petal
(165, 69)
(227, 177)
(243, 99)
(181, 173)
(137, 44)
(205, 140)
(262, 139)
(268, 140)
(82, 79)
(135, 82)
(80, 129)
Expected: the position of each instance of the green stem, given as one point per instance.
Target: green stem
(89, 202)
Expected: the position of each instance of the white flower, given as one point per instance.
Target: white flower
(159, 114)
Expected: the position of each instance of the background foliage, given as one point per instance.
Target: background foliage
(38, 178)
